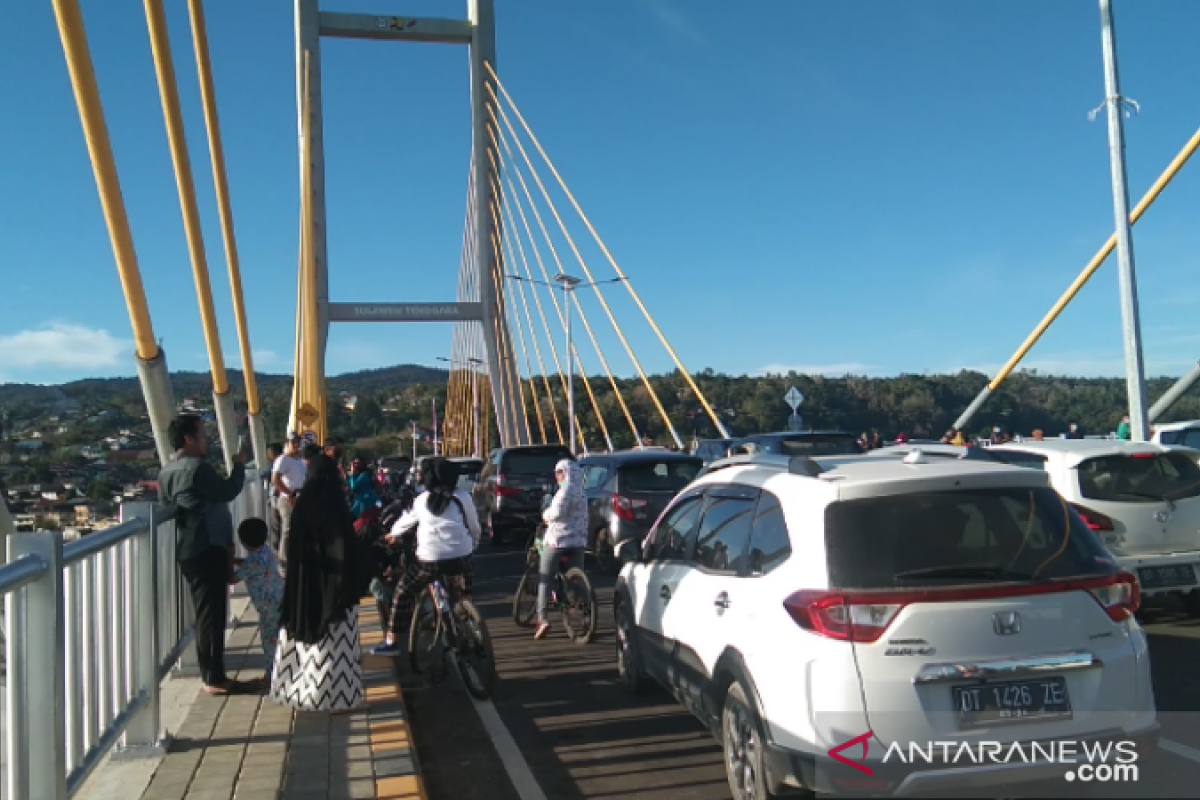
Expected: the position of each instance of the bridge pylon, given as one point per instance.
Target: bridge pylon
(478, 33)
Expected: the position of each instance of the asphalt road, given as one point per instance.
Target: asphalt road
(579, 735)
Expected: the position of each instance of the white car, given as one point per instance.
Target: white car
(1142, 499)
(802, 606)
(1185, 434)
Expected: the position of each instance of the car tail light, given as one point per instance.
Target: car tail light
(1093, 519)
(624, 507)
(1120, 596)
(503, 489)
(1143, 455)
(845, 617)
(865, 616)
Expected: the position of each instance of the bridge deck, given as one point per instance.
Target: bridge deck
(249, 748)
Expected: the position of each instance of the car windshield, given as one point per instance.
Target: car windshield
(1139, 478)
(658, 476)
(533, 462)
(972, 536)
(819, 444)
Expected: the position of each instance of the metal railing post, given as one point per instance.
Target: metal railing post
(44, 685)
(143, 735)
(16, 741)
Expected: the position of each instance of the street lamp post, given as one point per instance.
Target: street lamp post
(474, 363)
(569, 284)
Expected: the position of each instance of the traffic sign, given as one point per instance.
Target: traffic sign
(795, 421)
(307, 414)
(793, 398)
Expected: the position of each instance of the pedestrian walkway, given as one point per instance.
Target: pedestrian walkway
(249, 748)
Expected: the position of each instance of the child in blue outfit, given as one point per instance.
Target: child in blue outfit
(264, 583)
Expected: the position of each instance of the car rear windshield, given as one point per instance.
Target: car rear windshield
(949, 538)
(1139, 478)
(819, 444)
(658, 476)
(533, 462)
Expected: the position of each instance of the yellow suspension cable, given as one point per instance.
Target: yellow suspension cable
(164, 69)
(541, 362)
(509, 311)
(599, 295)
(525, 262)
(498, 332)
(607, 254)
(525, 353)
(224, 207)
(510, 163)
(456, 409)
(549, 337)
(521, 331)
(504, 329)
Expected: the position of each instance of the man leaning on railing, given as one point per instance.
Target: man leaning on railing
(204, 527)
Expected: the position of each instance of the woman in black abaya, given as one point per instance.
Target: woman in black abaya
(317, 661)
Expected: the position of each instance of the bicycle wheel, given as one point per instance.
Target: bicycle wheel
(578, 606)
(476, 661)
(525, 600)
(425, 635)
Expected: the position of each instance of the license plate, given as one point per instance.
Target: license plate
(1175, 575)
(1012, 701)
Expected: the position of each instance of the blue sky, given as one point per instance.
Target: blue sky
(828, 186)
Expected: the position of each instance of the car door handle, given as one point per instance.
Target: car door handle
(722, 601)
(665, 592)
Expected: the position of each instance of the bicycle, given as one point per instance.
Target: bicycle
(437, 630)
(571, 592)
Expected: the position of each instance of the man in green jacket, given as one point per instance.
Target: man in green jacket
(1123, 429)
(204, 540)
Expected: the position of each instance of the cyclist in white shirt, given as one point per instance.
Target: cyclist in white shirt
(447, 532)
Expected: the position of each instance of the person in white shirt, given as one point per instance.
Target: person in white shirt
(287, 476)
(447, 531)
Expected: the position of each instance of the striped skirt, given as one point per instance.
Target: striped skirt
(326, 676)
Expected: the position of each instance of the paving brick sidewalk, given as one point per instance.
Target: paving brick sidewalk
(247, 747)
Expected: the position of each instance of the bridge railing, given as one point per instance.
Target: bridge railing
(92, 627)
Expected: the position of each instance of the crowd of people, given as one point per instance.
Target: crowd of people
(867, 442)
(329, 538)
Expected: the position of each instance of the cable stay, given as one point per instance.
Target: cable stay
(604, 248)
(581, 369)
(553, 349)
(604, 304)
(545, 274)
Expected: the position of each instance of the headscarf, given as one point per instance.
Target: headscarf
(440, 479)
(323, 557)
(567, 516)
(572, 476)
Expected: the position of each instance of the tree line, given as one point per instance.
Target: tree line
(390, 401)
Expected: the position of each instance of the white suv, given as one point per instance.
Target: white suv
(848, 604)
(1142, 500)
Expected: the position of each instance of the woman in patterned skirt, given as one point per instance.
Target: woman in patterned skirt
(317, 661)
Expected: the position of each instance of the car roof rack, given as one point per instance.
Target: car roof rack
(796, 465)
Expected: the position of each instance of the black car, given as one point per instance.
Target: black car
(626, 492)
(797, 443)
(508, 494)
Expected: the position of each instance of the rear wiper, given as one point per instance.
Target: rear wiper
(991, 572)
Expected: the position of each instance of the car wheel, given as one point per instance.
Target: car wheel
(742, 742)
(602, 551)
(629, 657)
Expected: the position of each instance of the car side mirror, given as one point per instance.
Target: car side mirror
(629, 551)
